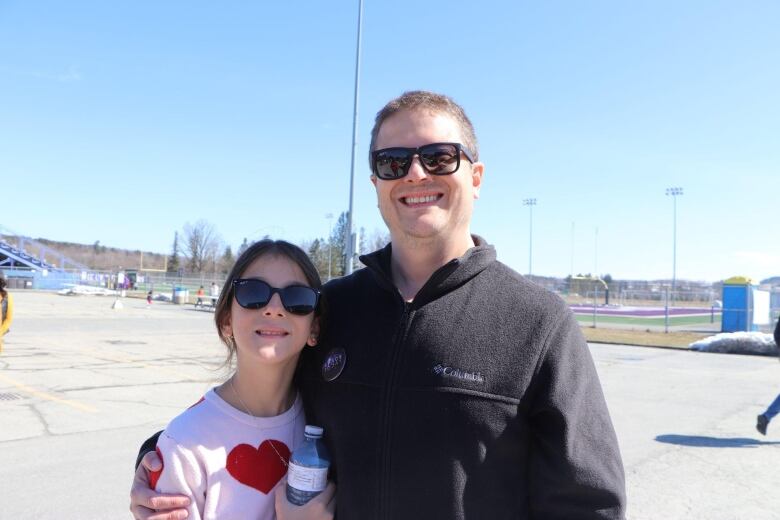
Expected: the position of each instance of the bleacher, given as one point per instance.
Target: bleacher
(24, 252)
(12, 257)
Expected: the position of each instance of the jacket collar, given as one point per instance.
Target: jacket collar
(448, 277)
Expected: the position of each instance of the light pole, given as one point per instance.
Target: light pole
(530, 203)
(596, 253)
(674, 193)
(329, 216)
(571, 269)
(350, 249)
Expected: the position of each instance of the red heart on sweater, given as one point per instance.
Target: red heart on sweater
(259, 468)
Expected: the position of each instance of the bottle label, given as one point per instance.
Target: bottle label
(307, 479)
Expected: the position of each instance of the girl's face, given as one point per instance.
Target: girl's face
(271, 335)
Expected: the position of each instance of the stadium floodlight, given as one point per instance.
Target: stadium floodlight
(530, 203)
(350, 221)
(674, 193)
(329, 216)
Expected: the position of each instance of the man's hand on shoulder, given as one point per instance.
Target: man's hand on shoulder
(146, 503)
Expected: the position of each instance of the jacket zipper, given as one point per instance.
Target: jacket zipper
(388, 400)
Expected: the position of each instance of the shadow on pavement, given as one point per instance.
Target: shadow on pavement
(700, 441)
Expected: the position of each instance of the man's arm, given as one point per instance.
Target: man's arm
(145, 503)
(147, 446)
(576, 471)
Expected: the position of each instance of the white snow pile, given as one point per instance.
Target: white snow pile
(86, 289)
(738, 343)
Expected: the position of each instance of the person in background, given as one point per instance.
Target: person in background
(214, 293)
(6, 309)
(201, 293)
(763, 420)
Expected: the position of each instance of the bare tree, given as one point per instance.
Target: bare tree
(377, 240)
(201, 245)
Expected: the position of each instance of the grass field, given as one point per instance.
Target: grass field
(674, 321)
(643, 338)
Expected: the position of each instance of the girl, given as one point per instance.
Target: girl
(230, 450)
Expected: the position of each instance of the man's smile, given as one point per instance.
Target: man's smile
(420, 199)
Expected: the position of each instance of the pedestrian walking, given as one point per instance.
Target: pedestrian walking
(763, 420)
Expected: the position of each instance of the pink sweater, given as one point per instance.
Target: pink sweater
(226, 461)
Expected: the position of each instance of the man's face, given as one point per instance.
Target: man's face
(421, 205)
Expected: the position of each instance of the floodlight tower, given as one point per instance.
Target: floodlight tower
(329, 216)
(530, 203)
(350, 221)
(674, 193)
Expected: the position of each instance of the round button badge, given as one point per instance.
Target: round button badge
(334, 364)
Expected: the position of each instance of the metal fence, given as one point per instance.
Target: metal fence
(139, 284)
(654, 310)
(679, 311)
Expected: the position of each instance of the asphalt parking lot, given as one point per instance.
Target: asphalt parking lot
(81, 385)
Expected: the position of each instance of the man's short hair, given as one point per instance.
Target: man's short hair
(433, 102)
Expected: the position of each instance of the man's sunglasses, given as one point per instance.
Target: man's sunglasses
(252, 293)
(436, 158)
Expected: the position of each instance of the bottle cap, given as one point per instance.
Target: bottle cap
(313, 431)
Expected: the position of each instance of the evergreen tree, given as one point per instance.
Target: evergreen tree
(243, 247)
(173, 261)
(338, 246)
(318, 252)
(227, 260)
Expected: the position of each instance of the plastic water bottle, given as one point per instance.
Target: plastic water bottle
(307, 474)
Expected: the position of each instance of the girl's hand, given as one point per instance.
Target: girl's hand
(321, 507)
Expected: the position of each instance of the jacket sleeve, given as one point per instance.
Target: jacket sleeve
(576, 471)
(147, 446)
(9, 315)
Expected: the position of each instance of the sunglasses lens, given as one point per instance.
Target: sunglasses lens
(252, 294)
(391, 163)
(255, 294)
(299, 299)
(439, 158)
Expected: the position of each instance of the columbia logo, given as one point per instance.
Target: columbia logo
(442, 370)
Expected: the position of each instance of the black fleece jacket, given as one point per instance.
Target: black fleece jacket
(477, 400)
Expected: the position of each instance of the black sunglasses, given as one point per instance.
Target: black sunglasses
(436, 158)
(252, 293)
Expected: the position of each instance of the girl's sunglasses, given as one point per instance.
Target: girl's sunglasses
(252, 293)
(436, 158)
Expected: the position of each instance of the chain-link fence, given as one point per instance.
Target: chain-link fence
(655, 311)
(129, 283)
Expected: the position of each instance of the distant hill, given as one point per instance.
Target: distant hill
(105, 258)
(774, 280)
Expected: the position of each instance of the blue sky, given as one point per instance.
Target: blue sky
(121, 121)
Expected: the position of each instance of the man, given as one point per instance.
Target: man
(763, 420)
(448, 385)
